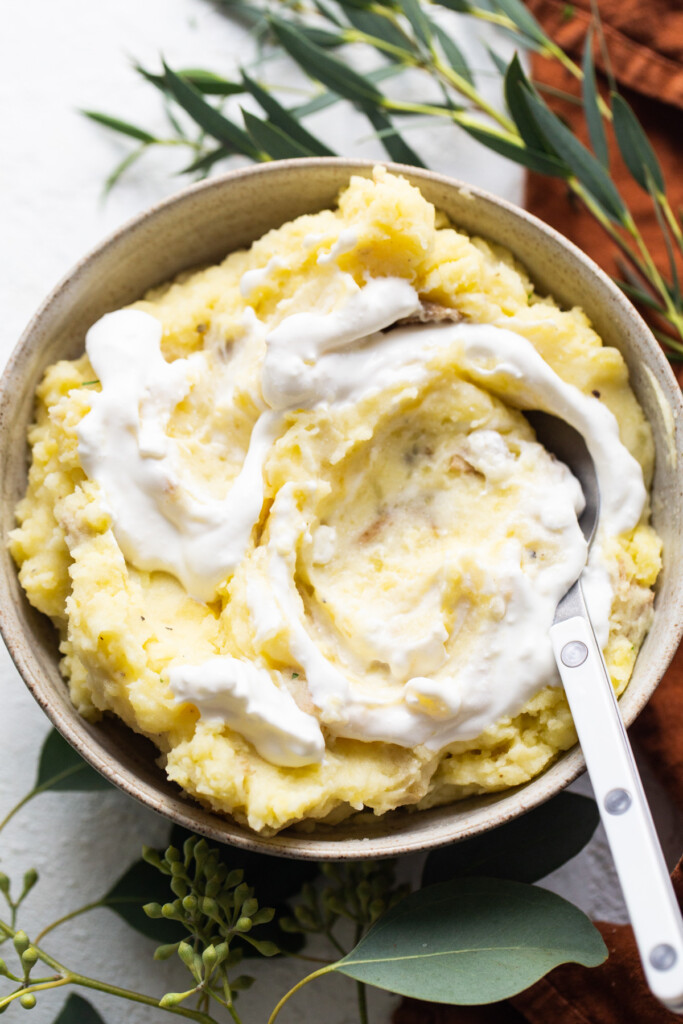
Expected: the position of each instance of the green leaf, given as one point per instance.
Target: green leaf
(62, 768)
(634, 145)
(472, 941)
(582, 163)
(204, 163)
(535, 160)
(497, 61)
(589, 91)
(272, 140)
(453, 54)
(209, 83)
(523, 850)
(397, 149)
(517, 87)
(207, 117)
(461, 6)
(122, 167)
(523, 19)
(283, 120)
(377, 26)
(124, 127)
(77, 1010)
(419, 21)
(321, 65)
(141, 884)
(329, 98)
(321, 37)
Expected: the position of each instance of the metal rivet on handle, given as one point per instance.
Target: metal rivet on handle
(617, 801)
(574, 654)
(663, 957)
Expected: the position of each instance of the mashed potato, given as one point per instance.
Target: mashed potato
(314, 556)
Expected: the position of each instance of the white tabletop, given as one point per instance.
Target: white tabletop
(54, 59)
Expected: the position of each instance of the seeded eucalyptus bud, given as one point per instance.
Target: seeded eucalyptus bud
(209, 957)
(209, 907)
(189, 848)
(305, 917)
(243, 924)
(28, 1001)
(242, 892)
(263, 916)
(4, 883)
(171, 910)
(29, 957)
(21, 942)
(179, 887)
(376, 909)
(249, 907)
(213, 887)
(289, 925)
(173, 999)
(336, 905)
(242, 983)
(30, 879)
(309, 894)
(331, 871)
(153, 910)
(164, 952)
(151, 857)
(172, 855)
(222, 951)
(234, 878)
(186, 954)
(190, 903)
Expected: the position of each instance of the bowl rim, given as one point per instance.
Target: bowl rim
(182, 809)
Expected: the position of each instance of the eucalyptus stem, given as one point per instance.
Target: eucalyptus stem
(300, 984)
(67, 917)
(64, 976)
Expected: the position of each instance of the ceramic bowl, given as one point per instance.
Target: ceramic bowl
(201, 225)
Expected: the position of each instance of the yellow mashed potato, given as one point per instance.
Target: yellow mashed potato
(359, 469)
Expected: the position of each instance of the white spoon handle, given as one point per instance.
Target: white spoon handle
(645, 882)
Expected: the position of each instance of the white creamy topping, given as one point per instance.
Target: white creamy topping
(436, 688)
(244, 697)
(159, 523)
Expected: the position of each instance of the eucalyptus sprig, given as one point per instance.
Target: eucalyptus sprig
(464, 939)
(407, 35)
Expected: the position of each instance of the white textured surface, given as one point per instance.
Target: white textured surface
(54, 58)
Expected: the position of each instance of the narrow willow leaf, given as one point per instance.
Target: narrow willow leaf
(517, 87)
(77, 1010)
(124, 127)
(329, 98)
(61, 768)
(472, 941)
(453, 54)
(272, 140)
(321, 37)
(282, 119)
(376, 25)
(535, 160)
(141, 884)
(523, 19)
(321, 65)
(634, 145)
(207, 117)
(462, 6)
(412, 9)
(590, 94)
(674, 287)
(523, 850)
(637, 294)
(203, 164)
(327, 12)
(497, 61)
(396, 147)
(122, 167)
(249, 13)
(581, 161)
(209, 83)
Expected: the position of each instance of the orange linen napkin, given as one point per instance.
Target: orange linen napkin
(645, 42)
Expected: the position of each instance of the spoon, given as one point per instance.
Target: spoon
(645, 883)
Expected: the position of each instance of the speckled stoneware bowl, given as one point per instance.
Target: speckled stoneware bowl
(201, 225)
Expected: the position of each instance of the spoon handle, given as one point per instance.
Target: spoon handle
(645, 882)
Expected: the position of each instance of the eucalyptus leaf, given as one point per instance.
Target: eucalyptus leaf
(376, 25)
(122, 167)
(272, 140)
(332, 72)
(77, 1010)
(581, 161)
(61, 768)
(522, 17)
(497, 61)
(207, 117)
(419, 22)
(634, 145)
(203, 164)
(117, 125)
(461, 6)
(535, 160)
(327, 12)
(472, 941)
(321, 37)
(524, 849)
(590, 94)
(329, 98)
(453, 54)
(396, 147)
(516, 86)
(141, 884)
(284, 120)
(209, 83)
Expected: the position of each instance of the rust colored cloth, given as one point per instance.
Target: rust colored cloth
(645, 42)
